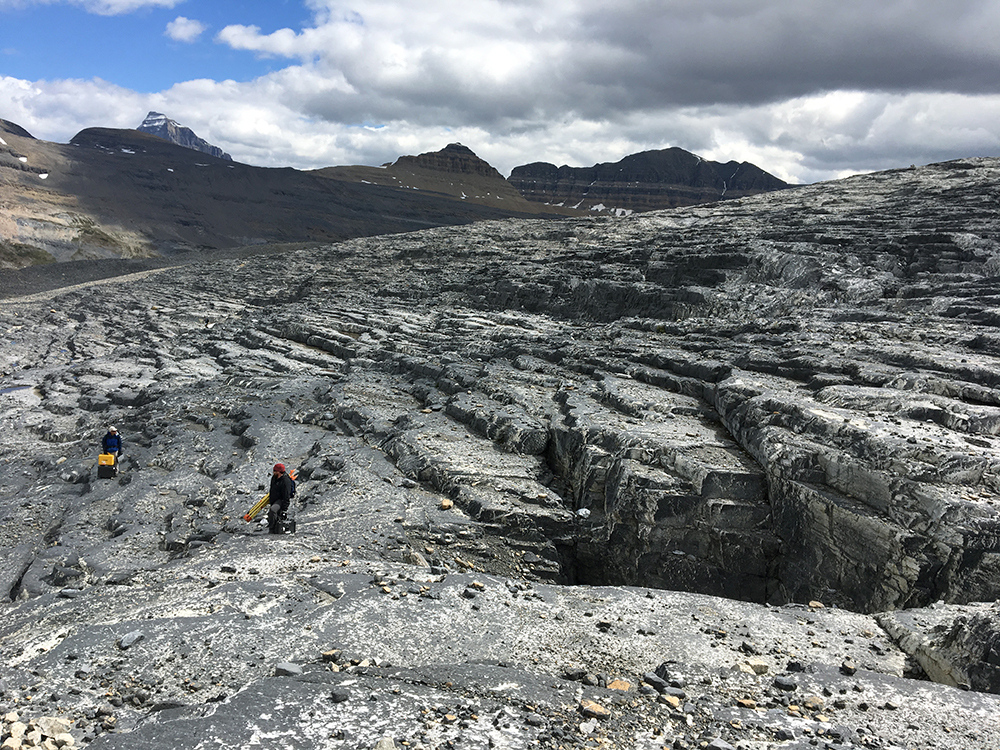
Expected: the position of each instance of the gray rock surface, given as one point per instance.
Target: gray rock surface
(721, 476)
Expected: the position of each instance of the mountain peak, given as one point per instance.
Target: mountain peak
(454, 158)
(155, 120)
(163, 127)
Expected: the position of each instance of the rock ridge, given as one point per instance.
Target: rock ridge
(645, 181)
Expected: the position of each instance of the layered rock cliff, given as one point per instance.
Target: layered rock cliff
(455, 171)
(642, 182)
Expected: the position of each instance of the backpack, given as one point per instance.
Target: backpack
(291, 478)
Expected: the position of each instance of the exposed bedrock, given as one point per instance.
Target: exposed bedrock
(784, 399)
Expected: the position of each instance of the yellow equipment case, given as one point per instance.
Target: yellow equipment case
(106, 468)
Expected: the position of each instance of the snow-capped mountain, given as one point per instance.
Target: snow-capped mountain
(163, 127)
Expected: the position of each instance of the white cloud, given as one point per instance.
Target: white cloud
(807, 91)
(800, 140)
(183, 29)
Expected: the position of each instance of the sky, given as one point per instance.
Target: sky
(808, 90)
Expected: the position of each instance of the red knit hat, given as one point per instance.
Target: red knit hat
(279, 468)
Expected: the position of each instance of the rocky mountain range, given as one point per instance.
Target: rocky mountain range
(162, 191)
(720, 477)
(646, 181)
(163, 127)
(121, 194)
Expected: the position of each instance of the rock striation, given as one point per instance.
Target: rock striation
(163, 127)
(452, 158)
(722, 476)
(649, 180)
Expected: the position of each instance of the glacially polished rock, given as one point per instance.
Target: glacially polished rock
(778, 400)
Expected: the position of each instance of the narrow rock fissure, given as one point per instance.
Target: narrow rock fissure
(15, 590)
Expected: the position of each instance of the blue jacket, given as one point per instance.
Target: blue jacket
(112, 443)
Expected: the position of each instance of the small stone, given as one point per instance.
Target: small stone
(415, 558)
(654, 681)
(386, 743)
(848, 667)
(816, 605)
(670, 700)
(718, 744)
(447, 504)
(51, 726)
(813, 703)
(130, 639)
(759, 666)
(64, 740)
(746, 703)
(594, 710)
(339, 696)
(620, 685)
(287, 669)
(784, 683)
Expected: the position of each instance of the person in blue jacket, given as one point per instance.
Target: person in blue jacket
(112, 443)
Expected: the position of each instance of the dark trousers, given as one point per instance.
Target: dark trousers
(275, 516)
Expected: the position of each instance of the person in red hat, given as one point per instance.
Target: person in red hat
(281, 495)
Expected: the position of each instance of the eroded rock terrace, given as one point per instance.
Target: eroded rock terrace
(783, 399)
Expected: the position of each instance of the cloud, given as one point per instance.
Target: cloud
(557, 57)
(800, 140)
(183, 29)
(808, 91)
